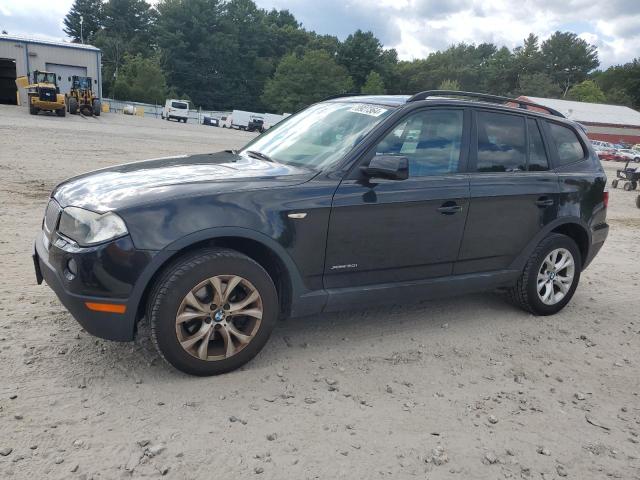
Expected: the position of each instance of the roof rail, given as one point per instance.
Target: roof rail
(482, 96)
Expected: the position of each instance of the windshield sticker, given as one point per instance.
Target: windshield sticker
(365, 109)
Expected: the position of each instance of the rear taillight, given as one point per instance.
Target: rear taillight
(605, 197)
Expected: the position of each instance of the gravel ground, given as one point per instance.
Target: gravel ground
(469, 388)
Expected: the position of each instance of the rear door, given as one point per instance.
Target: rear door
(384, 231)
(513, 192)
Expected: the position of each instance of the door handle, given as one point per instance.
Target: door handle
(544, 202)
(449, 208)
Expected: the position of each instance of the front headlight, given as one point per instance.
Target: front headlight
(88, 228)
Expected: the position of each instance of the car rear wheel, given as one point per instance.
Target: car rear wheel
(212, 311)
(550, 276)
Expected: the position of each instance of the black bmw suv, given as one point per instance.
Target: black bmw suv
(351, 202)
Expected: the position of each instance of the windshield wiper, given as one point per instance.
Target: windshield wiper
(260, 155)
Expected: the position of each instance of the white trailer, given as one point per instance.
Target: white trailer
(243, 120)
(270, 119)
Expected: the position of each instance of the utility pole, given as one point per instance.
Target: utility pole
(81, 36)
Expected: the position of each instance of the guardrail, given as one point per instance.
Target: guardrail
(155, 111)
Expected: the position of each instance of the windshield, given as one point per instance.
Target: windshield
(83, 83)
(44, 77)
(320, 135)
(180, 105)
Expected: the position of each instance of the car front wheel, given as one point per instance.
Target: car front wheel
(212, 311)
(550, 276)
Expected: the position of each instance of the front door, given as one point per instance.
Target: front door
(513, 192)
(383, 231)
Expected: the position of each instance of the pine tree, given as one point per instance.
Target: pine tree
(90, 11)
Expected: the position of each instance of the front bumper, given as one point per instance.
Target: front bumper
(105, 275)
(46, 105)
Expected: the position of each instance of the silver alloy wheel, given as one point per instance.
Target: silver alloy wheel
(555, 276)
(219, 317)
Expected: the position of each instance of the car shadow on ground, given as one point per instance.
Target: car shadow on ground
(316, 336)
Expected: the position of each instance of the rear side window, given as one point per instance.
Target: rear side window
(537, 155)
(501, 143)
(180, 105)
(569, 147)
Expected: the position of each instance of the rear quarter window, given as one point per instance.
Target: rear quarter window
(567, 143)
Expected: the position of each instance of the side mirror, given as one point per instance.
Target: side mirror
(388, 166)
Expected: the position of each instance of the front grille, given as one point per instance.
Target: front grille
(51, 217)
(48, 94)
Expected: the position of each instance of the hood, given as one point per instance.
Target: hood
(136, 183)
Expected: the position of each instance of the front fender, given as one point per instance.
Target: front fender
(137, 299)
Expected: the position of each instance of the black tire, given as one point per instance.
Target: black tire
(73, 105)
(61, 112)
(637, 159)
(638, 201)
(634, 185)
(525, 295)
(96, 107)
(33, 110)
(614, 183)
(176, 282)
(627, 187)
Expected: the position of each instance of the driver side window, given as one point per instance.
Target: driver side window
(430, 139)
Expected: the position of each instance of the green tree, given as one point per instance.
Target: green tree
(587, 91)
(499, 72)
(624, 79)
(528, 58)
(91, 13)
(538, 85)
(300, 81)
(195, 52)
(449, 85)
(127, 30)
(140, 80)
(619, 96)
(568, 59)
(361, 53)
(374, 84)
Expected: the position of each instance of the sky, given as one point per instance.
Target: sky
(415, 27)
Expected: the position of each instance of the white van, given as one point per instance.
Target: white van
(176, 109)
(226, 121)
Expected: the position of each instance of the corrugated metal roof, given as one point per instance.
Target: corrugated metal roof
(43, 41)
(598, 113)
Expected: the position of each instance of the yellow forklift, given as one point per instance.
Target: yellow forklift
(81, 97)
(44, 94)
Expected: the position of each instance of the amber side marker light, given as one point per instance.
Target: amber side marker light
(106, 307)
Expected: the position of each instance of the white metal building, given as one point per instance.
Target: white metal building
(610, 123)
(20, 56)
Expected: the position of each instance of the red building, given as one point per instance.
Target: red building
(609, 123)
